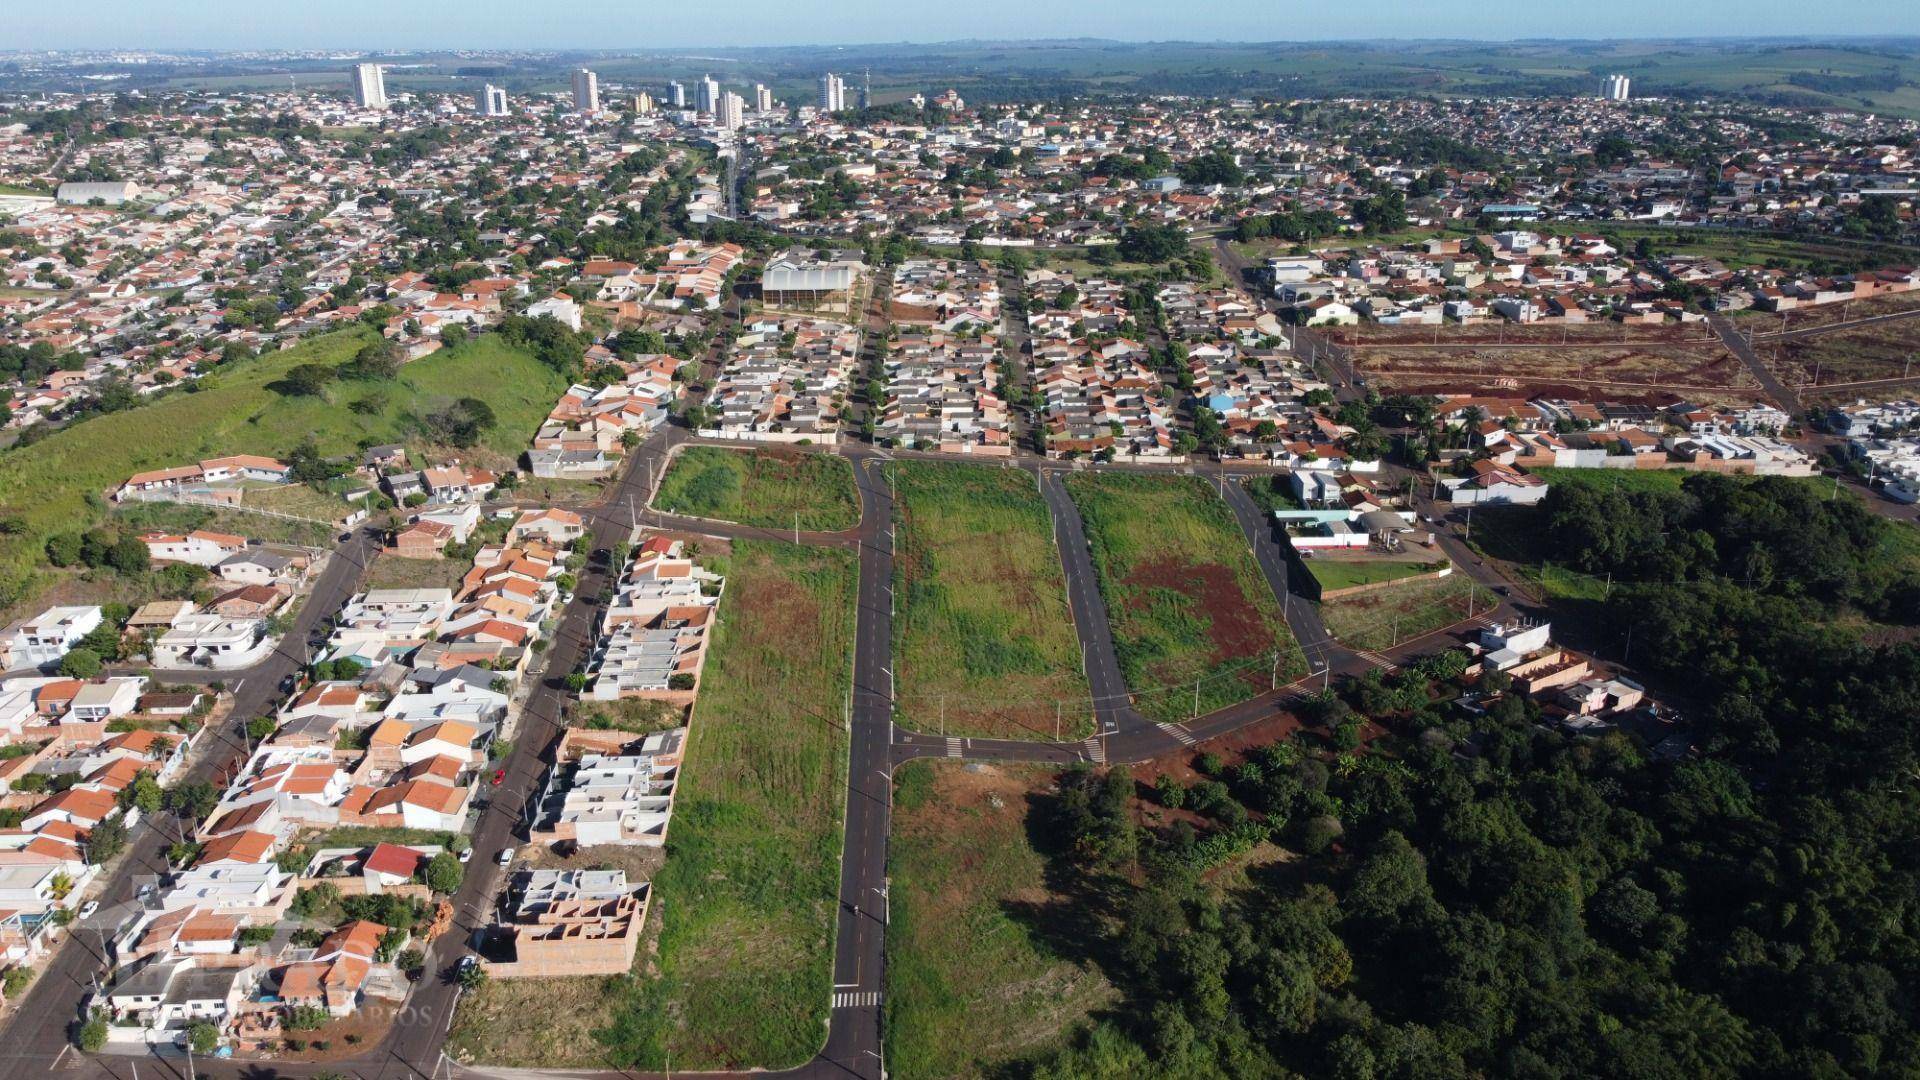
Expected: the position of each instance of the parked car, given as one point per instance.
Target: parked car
(466, 855)
(506, 857)
(87, 909)
(498, 776)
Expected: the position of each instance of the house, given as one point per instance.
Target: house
(47, 637)
(388, 865)
(210, 640)
(335, 977)
(558, 527)
(573, 922)
(107, 699)
(259, 567)
(199, 548)
(177, 992)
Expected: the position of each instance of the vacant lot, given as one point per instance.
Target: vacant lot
(54, 485)
(743, 972)
(1334, 574)
(1184, 596)
(1876, 351)
(975, 980)
(983, 636)
(770, 488)
(1641, 369)
(1386, 617)
(394, 572)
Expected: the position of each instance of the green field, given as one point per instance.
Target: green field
(984, 642)
(769, 488)
(1184, 597)
(743, 974)
(55, 485)
(1386, 617)
(972, 984)
(1335, 574)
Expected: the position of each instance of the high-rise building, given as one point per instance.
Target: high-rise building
(677, 94)
(833, 93)
(762, 98)
(732, 111)
(866, 89)
(1616, 88)
(708, 99)
(586, 91)
(369, 86)
(643, 103)
(491, 100)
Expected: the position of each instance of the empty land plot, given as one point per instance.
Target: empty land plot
(984, 641)
(743, 973)
(1615, 372)
(769, 488)
(1882, 350)
(1386, 617)
(54, 485)
(1829, 314)
(1333, 574)
(1184, 597)
(973, 981)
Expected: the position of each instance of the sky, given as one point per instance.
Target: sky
(641, 24)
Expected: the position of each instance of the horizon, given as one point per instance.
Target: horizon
(491, 25)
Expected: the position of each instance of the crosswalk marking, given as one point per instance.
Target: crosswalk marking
(856, 999)
(953, 746)
(1186, 737)
(1097, 751)
(1377, 660)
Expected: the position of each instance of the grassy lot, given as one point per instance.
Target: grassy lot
(54, 485)
(973, 984)
(761, 487)
(1335, 574)
(175, 517)
(396, 572)
(1271, 493)
(743, 973)
(984, 636)
(1184, 597)
(1384, 618)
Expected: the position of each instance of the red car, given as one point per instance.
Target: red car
(499, 775)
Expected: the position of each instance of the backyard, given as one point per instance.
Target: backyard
(1186, 602)
(779, 489)
(984, 643)
(742, 974)
(974, 981)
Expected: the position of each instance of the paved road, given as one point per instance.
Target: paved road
(1302, 616)
(1736, 343)
(853, 1046)
(1112, 702)
(36, 1034)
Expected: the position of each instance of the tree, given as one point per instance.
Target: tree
(305, 380)
(473, 977)
(261, 727)
(107, 840)
(80, 664)
(1152, 243)
(203, 1037)
(129, 556)
(443, 873)
(92, 1036)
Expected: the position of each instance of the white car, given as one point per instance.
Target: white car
(505, 857)
(87, 909)
(465, 854)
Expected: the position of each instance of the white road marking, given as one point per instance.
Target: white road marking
(866, 999)
(1186, 737)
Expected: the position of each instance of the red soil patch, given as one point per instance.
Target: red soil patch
(1234, 625)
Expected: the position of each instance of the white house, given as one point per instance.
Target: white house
(49, 636)
(212, 641)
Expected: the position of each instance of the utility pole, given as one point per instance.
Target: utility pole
(1196, 699)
